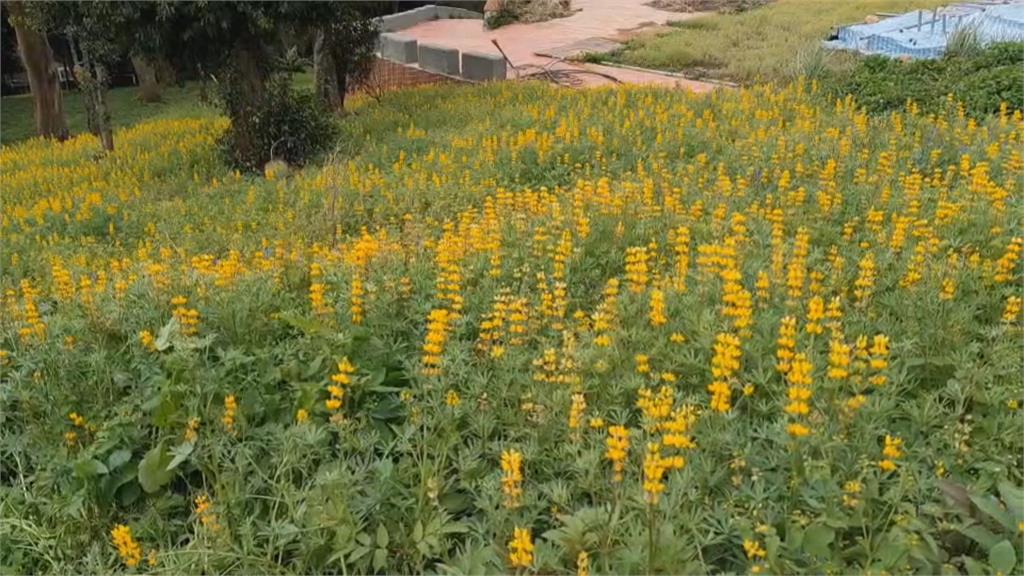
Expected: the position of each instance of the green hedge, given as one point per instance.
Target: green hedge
(981, 79)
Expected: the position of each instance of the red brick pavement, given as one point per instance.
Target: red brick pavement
(594, 18)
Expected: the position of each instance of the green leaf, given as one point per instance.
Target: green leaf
(129, 493)
(891, 553)
(89, 468)
(817, 538)
(117, 458)
(380, 558)
(153, 472)
(163, 338)
(382, 536)
(376, 377)
(994, 510)
(1013, 496)
(358, 553)
(956, 495)
(980, 534)
(180, 453)
(417, 531)
(974, 567)
(1002, 557)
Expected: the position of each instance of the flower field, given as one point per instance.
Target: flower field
(516, 329)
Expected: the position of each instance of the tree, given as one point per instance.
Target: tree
(43, 79)
(236, 41)
(347, 47)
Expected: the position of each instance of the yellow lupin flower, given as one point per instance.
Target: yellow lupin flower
(892, 452)
(618, 450)
(192, 430)
(230, 408)
(204, 512)
(127, 548)
(657, 308)
(799, 394)
(520, 548)
(576, 410)
(1011, 312)
(148, 340)
(724, 365)
(512, 477)
(583, 561)
(452, 399)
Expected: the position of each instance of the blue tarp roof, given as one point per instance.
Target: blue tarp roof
(925, 33)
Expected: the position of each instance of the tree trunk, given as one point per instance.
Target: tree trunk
(92, 79)
(246, 85)
(102, 112)
(166, 75)
(85, 79)
(325, 75)
(145, 73)
(340, 81)
(43, 80)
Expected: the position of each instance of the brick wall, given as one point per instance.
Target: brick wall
(387, 75)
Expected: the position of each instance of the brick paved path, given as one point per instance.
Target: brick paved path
(521, 42)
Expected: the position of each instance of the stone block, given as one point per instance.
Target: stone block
(399, 48)
(482, 67)
(440, 59)
(407, 19)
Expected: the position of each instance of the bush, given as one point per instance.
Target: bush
(980, 78)
(285, 124)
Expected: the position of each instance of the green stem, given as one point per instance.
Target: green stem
(650, 538)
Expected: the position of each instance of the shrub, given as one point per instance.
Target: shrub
(981, 78)
(285, 124)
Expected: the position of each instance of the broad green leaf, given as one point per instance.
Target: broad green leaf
(89, 468)
(153, 472)
(417, 531)
(117, 458)
(358, 553)
(376, 377)
(817, 538)
(382, 536)
(1002, 557)
(994, 510)
(891, 552)
(980, 534)
(974, 568)
(129, 493)
(163, 338)
(380, 558)
(180, 453)
(1013, 496)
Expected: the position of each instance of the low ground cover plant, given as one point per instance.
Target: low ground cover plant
(514, 328)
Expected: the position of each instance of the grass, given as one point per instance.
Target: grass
(766, 43)
(427, 353)
(17, 121)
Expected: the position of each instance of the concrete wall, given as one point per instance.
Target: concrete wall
(399, 48)
(407, 19)
(434, 58)
(483, 67)
(455, 13)
(410, 18)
